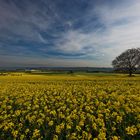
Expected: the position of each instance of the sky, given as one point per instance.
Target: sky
(63, 33)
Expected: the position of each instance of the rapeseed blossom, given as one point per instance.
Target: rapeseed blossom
(75, 109)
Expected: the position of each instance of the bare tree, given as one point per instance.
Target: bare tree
(128, 61)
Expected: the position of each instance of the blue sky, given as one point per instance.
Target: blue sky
(67, 32)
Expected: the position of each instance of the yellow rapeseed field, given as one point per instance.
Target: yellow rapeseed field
(69, 107)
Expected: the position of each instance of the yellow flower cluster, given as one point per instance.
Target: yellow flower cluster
(98, 109)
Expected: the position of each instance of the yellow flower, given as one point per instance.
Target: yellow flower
(81, 123)
(53, 113)
(6, 128)
(102, 136)
(15, 133)
(17, 112)
(11, 125)
(78, 128)
(119, 119)
(58, 129)
(94, 126)
(73, 136)
(50, 123)
(9, 107)
(27, 130)
(68, 126)
(115, 138)
(55, 137)
(97, 103)
(113, 128)
(22, 137)
(89, 136)
(40, 121)
(36, 133)
(131, 130)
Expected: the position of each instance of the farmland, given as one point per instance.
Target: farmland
(74, 106)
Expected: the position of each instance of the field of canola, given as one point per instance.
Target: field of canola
(38, 108)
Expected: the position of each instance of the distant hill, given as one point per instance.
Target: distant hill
(74, 69)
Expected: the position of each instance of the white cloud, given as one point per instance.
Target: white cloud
(122, 32)
(101, 46)
(25, 23)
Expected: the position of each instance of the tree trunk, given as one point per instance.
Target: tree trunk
(130, 73)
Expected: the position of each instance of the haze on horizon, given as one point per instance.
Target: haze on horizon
(88, 33)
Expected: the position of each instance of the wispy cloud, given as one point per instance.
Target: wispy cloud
(121, 32)
(87, 33)
(25, 20)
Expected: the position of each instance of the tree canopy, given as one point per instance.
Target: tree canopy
(128, 61)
